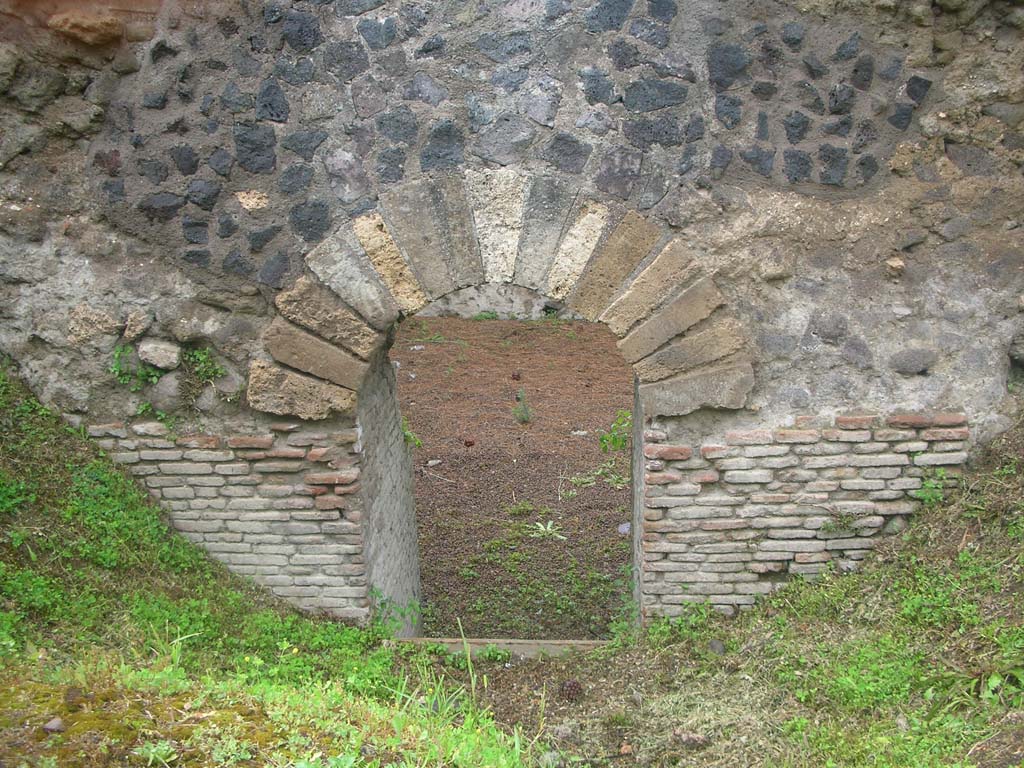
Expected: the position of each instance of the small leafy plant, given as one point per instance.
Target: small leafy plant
(487, 314)
(410, 437)
(134, 377)
(617, 436)
(548, 530)
(521, 411)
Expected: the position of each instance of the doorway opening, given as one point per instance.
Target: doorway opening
(521, 443)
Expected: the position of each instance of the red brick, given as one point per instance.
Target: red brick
(317, 454)
(311, 490)
(960, 433)
(287, 453)
(344, 490)
(748, 437)
(662, 478)
(910, 420)
(704, 476)
(654, 436)
(329, 502)
(284, 426)
(810, 422)
(796, 435)
(250, 441)
(949, 419)
(253, 455)
(714, 451)
(668, 452)
(208, 442)
(332, 478)
(857, 421)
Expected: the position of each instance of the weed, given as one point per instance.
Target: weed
(932, 490)
(548, 530)
(523, 508)
(14, 495)
(617, 436)
(156, 753)
(521, 411)
(494, 654)
(135, 377)
(487, 314)
(410, 437)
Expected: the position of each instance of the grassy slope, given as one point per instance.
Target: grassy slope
(151, 654)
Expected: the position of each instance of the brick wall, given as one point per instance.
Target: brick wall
(392, 553)
(281, 507)
(732, 518)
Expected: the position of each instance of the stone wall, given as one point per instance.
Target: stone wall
(734, 517)
(784, 210)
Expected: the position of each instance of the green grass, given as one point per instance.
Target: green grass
(182, 663)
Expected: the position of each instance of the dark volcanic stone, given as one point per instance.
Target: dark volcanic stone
(197, 258)
(424, 88)
(271, 103)
(432, 46)
(235, 100)
(619, 171)
(296, 72)
(346, 59)
(771, 54)
(646, 132)
(651, 95)
(863, 73)
(221, 161)
(760, 159)
(259, 238)
(304, 143)
(504, 48)
(901, 116)
(971, 160)
(809, 98)
(688, 162)
(399, 124)
(196, 231)
(814, 67)
(848, 49)
(444, 147)
(867, 167)
(506, 141)
(597, 86)
(649, 32)
(378, 33)
(162, 51)
(510, 79)
(356, 7)
(295, 178)
(624, 55)
(914, 361)
(206, 105)
(274, 270)
(203, 193)
(796, 165)
(793, 34)
(310, 220)
(237, 264)
(721, 157)
(255, 148)
(272, 13)
(796, 125)
(662, 10)
(917, 88)
(154, 100)
(154, 171)
(185, 159)
(226, 226)
(727, 63)
(161, 206)
(391, 165)
(728, 110)
(608, 15)
(764, 90)
(840, 127)
(892, 69)
(566, 152)
(695, 128)
(834, 161)
(114, 190)
(556, 9)
(840, 99)
(762, 133)
(867, 134)
(301, 31)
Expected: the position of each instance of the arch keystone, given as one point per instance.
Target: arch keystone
(497, 198)
(273, 389)
(690, 306)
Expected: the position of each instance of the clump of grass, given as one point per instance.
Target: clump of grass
(521, 411)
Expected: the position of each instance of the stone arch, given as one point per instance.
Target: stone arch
(438, 235)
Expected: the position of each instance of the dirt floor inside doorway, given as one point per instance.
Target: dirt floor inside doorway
(523, 519)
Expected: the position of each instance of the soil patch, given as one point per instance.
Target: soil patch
(522, 518)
